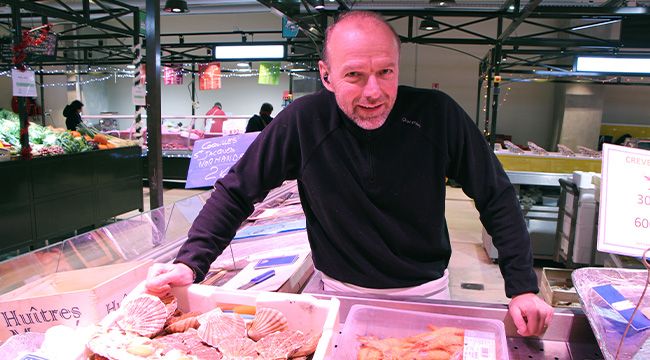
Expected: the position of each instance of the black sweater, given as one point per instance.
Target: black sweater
(374, 200)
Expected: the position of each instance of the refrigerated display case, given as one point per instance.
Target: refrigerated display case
(539, 193)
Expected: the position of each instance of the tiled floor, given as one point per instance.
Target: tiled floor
(469, 262)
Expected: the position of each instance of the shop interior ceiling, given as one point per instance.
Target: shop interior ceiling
(532, 35)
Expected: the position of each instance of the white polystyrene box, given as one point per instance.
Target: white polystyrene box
(73, 298)
(304, 312)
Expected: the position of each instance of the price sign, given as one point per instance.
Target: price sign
(624, 218)
(212, 158)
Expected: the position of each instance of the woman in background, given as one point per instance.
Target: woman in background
(72, 114)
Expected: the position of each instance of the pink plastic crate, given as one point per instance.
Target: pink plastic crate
(485, 339)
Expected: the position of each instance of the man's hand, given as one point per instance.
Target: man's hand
(161, 277)
(530, 314)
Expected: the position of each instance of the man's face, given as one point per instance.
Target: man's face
(362, 71)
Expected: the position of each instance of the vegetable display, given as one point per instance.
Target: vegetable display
(48, 141)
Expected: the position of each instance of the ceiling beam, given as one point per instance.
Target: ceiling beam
(528, 9)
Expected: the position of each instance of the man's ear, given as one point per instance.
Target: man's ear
(324, 75)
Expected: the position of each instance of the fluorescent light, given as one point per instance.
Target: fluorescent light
(511, 7)
(613, 65)
(582, 27)
(248, 52)
(130, 66)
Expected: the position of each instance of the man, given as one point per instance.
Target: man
(259, 122)
(217, 123)
(371, 161)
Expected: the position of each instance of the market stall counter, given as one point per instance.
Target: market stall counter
(52, 196)
(568, 337)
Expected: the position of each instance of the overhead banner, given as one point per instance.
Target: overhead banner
(173, 75)
(269, 73)
(210, 76)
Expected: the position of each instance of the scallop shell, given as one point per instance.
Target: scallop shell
(144, 315)
(308, 348)
(266, 321)
(219, 328)
(171, 304)
(280, 345)
(114, 344)
(238, 348)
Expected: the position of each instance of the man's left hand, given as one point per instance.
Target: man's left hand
(530, 314)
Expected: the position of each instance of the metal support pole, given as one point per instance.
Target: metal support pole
(41, 79)
(488, 95)
(154, 144)
(496, 56)
(193, 91)
(478, 93)
(22, 111)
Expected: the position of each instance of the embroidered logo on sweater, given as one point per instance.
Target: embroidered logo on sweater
(411, 122)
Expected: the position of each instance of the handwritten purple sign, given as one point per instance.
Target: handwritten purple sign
(212, 158)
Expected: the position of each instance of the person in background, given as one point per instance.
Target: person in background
(217, 123)
(370, 158)
(259, 122)
(72, 113)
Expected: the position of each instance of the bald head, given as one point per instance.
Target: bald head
(358, 19)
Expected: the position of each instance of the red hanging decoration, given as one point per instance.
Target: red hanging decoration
(32, 37)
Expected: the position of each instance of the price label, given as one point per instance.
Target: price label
(624, 217)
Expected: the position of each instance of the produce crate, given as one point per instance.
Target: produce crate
(557, 288)
(484, 339)
(72, 298)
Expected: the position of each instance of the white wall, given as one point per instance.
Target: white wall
(626, 105)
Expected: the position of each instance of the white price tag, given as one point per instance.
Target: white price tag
(624, 216)
(479, 345)
(139, 93)
(24, 83)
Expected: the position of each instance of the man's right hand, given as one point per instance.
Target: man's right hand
(161, 277)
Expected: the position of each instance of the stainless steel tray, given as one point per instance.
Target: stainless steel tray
(568, 337)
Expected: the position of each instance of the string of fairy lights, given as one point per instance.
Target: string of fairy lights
(112, 72)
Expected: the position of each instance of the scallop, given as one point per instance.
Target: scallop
(144, 315)
(238, 348)
(218, 328)
(171, 304)
(280, 345)
(309, 347)
(182, 325)
(266, 321)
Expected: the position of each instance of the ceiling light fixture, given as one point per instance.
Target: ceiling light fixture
(587, 26)
(249, 52)
(320, 5)
(176, 6)
(429, 24)
(613, 65)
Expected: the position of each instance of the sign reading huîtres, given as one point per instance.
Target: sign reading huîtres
(73, 298)
(212, 158)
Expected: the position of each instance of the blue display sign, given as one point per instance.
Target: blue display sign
(212, 158)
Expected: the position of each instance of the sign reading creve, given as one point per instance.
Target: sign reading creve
(624, 218)
(212, 158)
